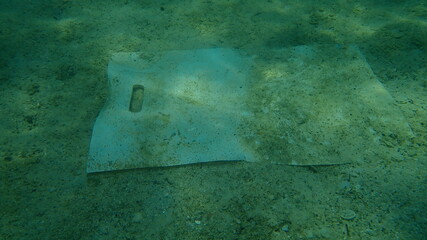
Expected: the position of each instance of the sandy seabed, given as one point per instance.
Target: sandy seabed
(54, 56)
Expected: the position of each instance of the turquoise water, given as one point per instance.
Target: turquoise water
(53, 83)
